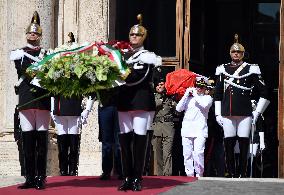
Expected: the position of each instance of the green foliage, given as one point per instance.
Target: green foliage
(77, 74)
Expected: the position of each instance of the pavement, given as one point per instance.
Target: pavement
(207, 186)
(227, 186)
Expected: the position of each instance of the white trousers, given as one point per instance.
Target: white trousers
(237, 125)
(193, 153)
(34, 119)
(139, 121)
(67, 124)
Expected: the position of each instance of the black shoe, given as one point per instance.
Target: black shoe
(136, 185)
(40, 183)
(30, 183)
(126, 185)
(105, 176)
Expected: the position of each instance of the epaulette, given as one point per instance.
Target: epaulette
(254, 68)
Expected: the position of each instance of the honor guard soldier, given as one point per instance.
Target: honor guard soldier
(233, 109)
(34, 115)
(136, 108)
(68, 116)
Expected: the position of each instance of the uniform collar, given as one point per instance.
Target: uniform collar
(33, 47)
(138, 49)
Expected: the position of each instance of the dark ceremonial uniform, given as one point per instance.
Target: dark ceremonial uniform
(34, 116)
(67, 106)
(67, 112)
(139, 96)
(28, 92)
(136, 106)
(236, 97)
(34, 120)
(163, 126)
(233, 88)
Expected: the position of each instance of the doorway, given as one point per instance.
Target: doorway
(213, 25)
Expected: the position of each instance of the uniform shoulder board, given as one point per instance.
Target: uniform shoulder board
(254, 69)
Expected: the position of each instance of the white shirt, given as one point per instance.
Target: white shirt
(196, 109)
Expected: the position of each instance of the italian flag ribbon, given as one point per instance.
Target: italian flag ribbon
(104, 49)
(115, 56)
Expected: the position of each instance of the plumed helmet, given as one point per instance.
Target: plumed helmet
(35, 25)
(138, 28)
(237, 46)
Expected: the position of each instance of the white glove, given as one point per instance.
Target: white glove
(194, 92)
(79, 122)
(219, 120)
(52, 117)
(261, 141)
(150, 58)
(84, 115)
(52, 108)
(255, 115)
(188, 91)
(16, 54)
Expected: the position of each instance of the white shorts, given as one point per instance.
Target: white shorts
(67, 124)
(139, 121)
(34, 119)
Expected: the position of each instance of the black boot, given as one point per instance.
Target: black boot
(29, 145)
(139, 154)
(230, 143)
(63, 147)
(42, 147)
(125, 141)
(74, 154)
(244, 147)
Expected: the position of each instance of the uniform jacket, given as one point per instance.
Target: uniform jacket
(67, 106)
(196, 109)
(139, 96)
(163, 124)
(27, 91)
(234, 91)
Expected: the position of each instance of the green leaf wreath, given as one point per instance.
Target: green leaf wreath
(77, 74)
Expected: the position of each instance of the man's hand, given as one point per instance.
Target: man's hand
(219, 120)
(188, 91)
(84, 116)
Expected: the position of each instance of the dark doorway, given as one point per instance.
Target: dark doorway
(159, 18)
(213, 25)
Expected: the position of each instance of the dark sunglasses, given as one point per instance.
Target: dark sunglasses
(136, 34)
(236, 51)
